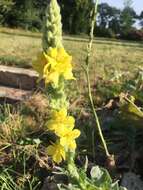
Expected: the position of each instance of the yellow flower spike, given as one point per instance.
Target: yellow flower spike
(67, 138)
(57, 152)
(60, 121)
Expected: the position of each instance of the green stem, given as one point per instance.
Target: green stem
(95, 116)
(93, 20)
(73, 171)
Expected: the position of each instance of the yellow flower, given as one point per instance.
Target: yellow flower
(67, 138)
(60, 121)
(39, 63)
(58, 64)
(57, 152)
(63, 125)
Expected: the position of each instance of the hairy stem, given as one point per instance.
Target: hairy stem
(73, 171)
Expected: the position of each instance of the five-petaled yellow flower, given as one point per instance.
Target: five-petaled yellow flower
(58, 64)
(57, 152)
(60, 121)
(63, 125)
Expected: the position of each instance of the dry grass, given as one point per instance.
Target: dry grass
(11, 129)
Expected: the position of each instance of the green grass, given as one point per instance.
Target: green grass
(20, 47)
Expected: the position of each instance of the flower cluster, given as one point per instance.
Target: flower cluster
(53, 64)
(63, 126)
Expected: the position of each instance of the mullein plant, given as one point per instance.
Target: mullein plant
(54, 66)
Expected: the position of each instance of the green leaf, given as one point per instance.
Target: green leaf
(96, 173)
(101, 177)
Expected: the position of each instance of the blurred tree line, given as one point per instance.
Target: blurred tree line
(111, 22)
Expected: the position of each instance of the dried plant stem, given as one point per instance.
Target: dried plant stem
(93, 20)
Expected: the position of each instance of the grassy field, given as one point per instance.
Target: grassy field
(20, 47)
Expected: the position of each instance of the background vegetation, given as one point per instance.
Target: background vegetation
(111, 22)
